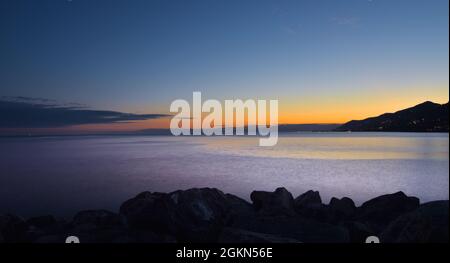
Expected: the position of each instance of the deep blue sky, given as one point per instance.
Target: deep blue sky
(139, 55)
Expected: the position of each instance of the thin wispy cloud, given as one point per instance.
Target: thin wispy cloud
(42, 101)
(24, 112)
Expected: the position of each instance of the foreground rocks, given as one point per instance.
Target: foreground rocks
(209, 215)
(428, 223)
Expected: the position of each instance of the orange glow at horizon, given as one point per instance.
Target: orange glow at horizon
(298, 110)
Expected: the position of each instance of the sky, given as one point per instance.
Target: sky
(326, 61)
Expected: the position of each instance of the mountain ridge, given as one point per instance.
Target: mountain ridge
(424, 117)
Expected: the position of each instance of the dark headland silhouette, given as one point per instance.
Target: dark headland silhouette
(425, 117)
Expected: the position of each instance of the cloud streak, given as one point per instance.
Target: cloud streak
(23, 112)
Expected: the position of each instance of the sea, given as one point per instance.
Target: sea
(61, 175)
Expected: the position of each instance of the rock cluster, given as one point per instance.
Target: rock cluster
(209, 215)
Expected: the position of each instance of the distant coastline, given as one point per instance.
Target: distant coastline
(424, 117)
(164, 132)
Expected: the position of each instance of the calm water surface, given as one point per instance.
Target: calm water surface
(62, 175)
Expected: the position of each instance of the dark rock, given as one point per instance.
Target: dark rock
(342, 208)
(96, 226)
(377, 213)
(273, 203)
(200, 214)
(90, 233)
(44, 226)
(150, 211)
(427, 224)
(42, 221)
(235, 235)
(238, 205)
(308, 199)
(50, 239)
(102, 218)
(320, 213)
(146, 236)
(310, 205)
(13, 229)
(194, 215)
(238, 209)
(124, 239)
(358, 231)
(295, 227)
(208, 215)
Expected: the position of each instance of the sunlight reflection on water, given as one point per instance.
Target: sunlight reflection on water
(62, 175)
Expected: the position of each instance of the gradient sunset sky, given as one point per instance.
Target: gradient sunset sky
(327, 61)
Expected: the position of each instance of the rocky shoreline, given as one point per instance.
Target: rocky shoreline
(209, 215)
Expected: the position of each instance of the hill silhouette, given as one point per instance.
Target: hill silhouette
(424, 117)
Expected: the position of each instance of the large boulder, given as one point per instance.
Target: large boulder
(238, 209)
(194, 215)
(13, 229)
(150, 212)
(273, 203)
(200, 214)
(308, 199)
(309, 205)
(380, 211)
(427, 224)
(342, 209)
